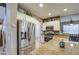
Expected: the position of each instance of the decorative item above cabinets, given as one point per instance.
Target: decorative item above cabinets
(51, 19)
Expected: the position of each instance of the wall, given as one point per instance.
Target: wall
(10, 28)
(55, 24)
(68, 18)
(24, 17)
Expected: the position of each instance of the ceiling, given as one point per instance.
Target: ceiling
(56, 9)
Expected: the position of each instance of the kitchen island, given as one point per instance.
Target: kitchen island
(52, 47)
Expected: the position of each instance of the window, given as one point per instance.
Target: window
(73, 30)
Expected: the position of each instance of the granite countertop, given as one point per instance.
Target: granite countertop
(52, 47)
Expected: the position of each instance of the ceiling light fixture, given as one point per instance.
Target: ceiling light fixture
(71, 22)
(41, 5)
(65, 9)
(49, 14)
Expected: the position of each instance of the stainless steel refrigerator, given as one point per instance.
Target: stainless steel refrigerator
(25, 37)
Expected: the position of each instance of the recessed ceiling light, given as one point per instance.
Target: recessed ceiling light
(41, 5)
(49, 14)
(65, 9)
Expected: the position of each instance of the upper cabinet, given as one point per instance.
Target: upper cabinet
(54, 22)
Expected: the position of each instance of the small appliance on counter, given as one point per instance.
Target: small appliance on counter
(62, 44)
(48, 33)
